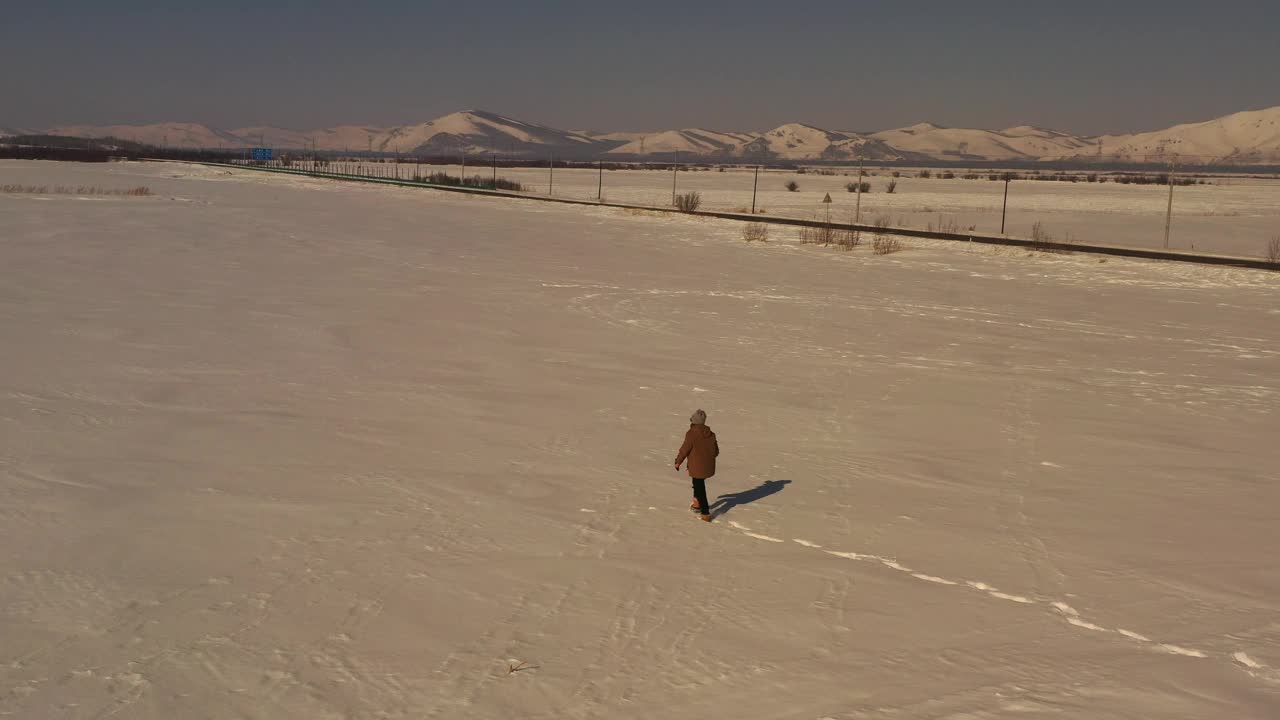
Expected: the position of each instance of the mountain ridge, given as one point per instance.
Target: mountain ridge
(1248, 136)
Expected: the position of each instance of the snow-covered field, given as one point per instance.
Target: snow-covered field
(274, 447)
(1232, 216)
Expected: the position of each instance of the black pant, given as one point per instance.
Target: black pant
(700, 492)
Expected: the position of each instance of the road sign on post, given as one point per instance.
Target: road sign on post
(261, 153)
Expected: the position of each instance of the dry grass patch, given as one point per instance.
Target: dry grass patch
(828, 234)
(140, 191)
(884, 243)
(642, 212)
(1043, 241)
(755, 232)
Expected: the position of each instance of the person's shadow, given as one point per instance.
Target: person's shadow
(725, 503)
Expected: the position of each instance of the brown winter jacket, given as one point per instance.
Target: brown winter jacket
(701, 449)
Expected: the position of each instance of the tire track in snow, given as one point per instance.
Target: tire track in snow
(1065, 611)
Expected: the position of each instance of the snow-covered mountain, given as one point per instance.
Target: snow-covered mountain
(797, 141)
(477, 131)
(1244, 137)
(270, 136)
(170, 134)
(1019, 143)
(690, 141)
(340, 138)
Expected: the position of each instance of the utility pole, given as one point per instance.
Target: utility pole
(675, 164)
(1168, 214)
(1004, 208)
(551, 174)
(495, 171)
(857, 211)
(755, 184)
(600, 182)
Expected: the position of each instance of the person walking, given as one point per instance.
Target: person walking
(701, 449)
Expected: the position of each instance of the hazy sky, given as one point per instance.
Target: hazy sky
(1084, 67)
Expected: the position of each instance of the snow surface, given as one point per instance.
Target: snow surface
(274, 447)
(1233, 216)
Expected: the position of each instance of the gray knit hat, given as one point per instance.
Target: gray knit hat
(698, 417)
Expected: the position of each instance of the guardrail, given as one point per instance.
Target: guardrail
(973, 237)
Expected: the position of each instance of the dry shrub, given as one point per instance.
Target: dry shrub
(814, 234)
(886, 244)
(792, 185)
(1273, 251)
(1042, 240)
(828, 234)
(892, 186)
(688, 202)
(945, 225)
(883, 243)
(881, 224)
(849, 239)
(755, 232)
(475, 181)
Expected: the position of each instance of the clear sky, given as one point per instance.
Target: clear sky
(1085, 67)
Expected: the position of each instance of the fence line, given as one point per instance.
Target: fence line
(970, 236)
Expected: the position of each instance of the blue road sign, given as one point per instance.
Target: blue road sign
(262, 153)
